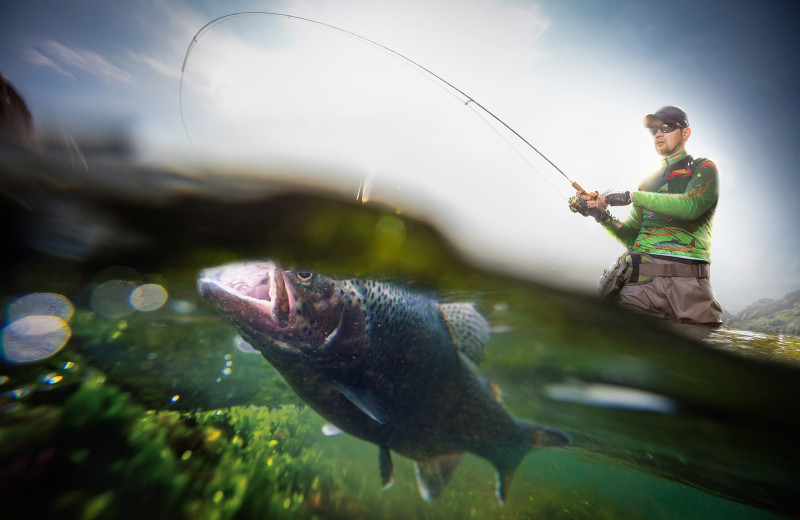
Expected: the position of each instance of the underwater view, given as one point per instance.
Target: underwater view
(258, 262)
(125, 394)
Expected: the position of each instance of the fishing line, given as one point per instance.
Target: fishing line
(448, 87)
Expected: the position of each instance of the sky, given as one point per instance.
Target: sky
(285, 97)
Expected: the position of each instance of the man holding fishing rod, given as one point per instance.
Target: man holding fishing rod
(665, 270)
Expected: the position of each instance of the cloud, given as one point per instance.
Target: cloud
(37, 58)
(62, 58)
(171, 71)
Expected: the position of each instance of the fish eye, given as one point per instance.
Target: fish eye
(303, 277)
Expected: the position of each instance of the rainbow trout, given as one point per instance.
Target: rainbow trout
(381, 363)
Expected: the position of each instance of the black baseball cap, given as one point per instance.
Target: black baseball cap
(667, 114)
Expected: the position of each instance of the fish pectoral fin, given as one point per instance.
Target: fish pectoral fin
(434, 473)
(330, 430)
(364, 400)
(468, 329)
(386, 467)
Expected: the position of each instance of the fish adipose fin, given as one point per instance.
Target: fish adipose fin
(386, 467)
(545, 437)
(364, 400)
(434, 473)
(468, 329)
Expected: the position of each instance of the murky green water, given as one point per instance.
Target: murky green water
(156, 412)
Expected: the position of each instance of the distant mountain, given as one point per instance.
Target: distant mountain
(766, 315)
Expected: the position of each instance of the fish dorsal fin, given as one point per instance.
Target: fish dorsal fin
(434, 473)
(364, 400)
(386, 467)
(468, 329)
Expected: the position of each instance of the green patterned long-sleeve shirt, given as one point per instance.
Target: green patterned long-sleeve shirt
(673, 210)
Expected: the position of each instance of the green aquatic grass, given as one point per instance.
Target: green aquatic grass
(97, 454)
(93, 453)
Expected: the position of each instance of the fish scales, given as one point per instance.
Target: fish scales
(381, 363)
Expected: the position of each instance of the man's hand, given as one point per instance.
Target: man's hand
(590, 205)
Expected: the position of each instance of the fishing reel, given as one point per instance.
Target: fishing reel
(578, 205)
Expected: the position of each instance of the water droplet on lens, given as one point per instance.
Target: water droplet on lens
(111, 298)
(40, 304)
(51, 379)
(34, 338)
(148, 297)
(19, 393)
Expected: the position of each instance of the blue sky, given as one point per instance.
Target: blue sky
(573, 77)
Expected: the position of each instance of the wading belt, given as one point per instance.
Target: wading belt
(672, 267)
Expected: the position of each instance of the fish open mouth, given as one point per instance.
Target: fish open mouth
(261, 284)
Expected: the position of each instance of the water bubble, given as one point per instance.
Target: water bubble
(226, 371)
(174, 398)
(40, 304)
(3, 380)
(112, 298)
(34, 338)
(243, 345)
(151, 356)
(148, 297)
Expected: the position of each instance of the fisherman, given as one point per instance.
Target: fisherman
(665, 270)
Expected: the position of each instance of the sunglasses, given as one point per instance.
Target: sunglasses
(666, 128)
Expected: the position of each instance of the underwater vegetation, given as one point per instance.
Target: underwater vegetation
(81, 448)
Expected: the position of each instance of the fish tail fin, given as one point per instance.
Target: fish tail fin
(434, 473)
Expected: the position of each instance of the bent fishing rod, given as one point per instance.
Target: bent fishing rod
(575, 202)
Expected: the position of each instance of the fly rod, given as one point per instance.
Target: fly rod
(465, 98)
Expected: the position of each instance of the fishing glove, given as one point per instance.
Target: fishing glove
(618, 197)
